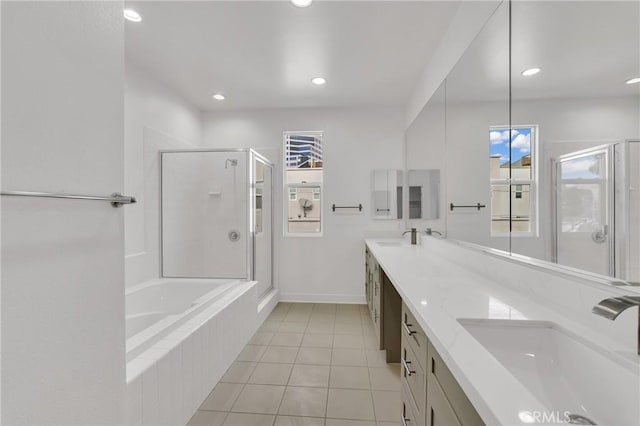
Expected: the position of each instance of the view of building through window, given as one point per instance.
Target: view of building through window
(512, 176)
(303, 180)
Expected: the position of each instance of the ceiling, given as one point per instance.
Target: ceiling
(262, 54)
(585, 49)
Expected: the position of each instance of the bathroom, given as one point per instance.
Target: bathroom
(209, 210)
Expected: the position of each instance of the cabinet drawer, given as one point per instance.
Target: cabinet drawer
(415, 336)
(439, 411)
(440, 374)
(408, 415)
(413, 378)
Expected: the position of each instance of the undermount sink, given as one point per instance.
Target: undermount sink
(564, 372)
(389, 243)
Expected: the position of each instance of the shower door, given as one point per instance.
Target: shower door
(262, 223)
(584, 210)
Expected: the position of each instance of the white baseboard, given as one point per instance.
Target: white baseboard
(266, 305)
(322, 298)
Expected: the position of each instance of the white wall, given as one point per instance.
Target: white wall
(167, 120)
(356, 141)
(63, 352)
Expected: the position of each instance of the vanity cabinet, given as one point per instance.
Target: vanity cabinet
(430, 394)
(373, 287)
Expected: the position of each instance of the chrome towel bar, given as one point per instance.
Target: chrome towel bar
(116, 199)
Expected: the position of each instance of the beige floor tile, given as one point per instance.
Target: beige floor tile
(348, 341)
(398, 423)
(325, 308)
(343, 422)
(222, 397)
(348, 317)
(239, 419)
(371, 342)
(251, 353)
(314, 356)
(350, 404)
(387, 405)
(310, 375)
(207, 418)
(239, 372)
(349, 377)
(286, 339)
(385, 378)
(320, 327)
(348, 328)
(259, 399)
(292, 327)
(298, 421)
(376, 358)
(280, 354)
(261, 338)
(270, 326)
(307, 402)
(276, 315)
(348, 308)
(317, 340)
(349, 357)
(270, 374)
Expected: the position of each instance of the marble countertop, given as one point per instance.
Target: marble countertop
(439, 291)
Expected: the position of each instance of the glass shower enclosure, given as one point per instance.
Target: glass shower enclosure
(216, 215)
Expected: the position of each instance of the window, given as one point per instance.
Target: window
(512, 162)
(303, 176)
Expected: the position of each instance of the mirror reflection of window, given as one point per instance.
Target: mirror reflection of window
(513, 179)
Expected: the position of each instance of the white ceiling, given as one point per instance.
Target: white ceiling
(262, 54)
(585, 49)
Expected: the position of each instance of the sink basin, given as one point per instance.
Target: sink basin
(389, 243)
(564, 372)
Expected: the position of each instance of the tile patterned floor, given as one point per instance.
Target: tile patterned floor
(308, 365)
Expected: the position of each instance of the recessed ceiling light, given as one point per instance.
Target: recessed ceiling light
(132, 15)
(301, 3)
(531, 71)
(633, 80)
(319, 80)
(219, 97)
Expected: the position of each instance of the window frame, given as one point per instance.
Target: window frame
(512, 183)
(287, 186)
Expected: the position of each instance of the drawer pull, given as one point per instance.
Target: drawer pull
(407, 329)
(405, 364)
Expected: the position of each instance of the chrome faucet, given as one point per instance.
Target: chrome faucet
(414, 236)
(612, 307)
(430, 231)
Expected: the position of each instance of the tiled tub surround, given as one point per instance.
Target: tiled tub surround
(168, 381)
(309, 364)
(442, 282)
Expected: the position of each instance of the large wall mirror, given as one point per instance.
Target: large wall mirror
(537, 132)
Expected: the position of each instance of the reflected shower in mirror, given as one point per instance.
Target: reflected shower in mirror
(583, 188)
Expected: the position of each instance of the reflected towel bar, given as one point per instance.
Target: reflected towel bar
(477, 206)
(334, 207)
(116, 199)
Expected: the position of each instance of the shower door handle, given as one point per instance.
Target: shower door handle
(600, 236)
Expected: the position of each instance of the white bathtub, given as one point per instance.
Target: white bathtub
(155, 308)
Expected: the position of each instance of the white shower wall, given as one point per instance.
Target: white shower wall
(204, 198)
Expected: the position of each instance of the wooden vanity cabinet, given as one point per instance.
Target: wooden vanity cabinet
(430, 394)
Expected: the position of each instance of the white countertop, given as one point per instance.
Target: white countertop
(439, 292)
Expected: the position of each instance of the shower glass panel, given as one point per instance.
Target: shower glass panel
(205, 214)
(262, 246)
(584, 212)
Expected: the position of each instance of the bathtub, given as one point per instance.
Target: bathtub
(182, 335)
(155, 308)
